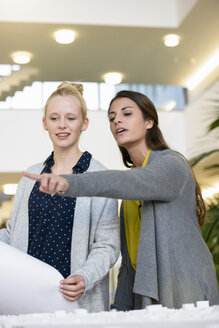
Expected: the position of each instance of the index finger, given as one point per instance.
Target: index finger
(32, 176)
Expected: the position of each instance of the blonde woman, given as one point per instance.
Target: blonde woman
(77, 236)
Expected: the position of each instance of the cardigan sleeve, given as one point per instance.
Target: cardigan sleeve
(5, 233)
(163, 180)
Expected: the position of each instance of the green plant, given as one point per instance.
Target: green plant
(210, 232)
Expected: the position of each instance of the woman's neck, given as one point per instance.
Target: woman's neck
(137, 154)
(65, 160)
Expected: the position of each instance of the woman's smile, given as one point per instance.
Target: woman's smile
(62, 135)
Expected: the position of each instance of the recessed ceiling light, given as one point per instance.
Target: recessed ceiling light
(21, 57)
(113, 78)
(171, 40)
(10, 189)
(203, 71)
(64, 36)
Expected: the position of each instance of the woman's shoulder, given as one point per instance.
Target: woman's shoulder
(166, 153)
(95, 165)
(169, 157)
(36, 168)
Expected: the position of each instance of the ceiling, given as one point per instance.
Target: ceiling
(137, 52)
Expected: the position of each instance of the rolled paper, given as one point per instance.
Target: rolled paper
(28, 285)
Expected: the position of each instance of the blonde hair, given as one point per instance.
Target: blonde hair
(69, 89)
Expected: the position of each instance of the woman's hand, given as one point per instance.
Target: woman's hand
(73, 287)
(49, 183)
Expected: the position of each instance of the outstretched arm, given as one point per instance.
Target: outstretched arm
(163, 180)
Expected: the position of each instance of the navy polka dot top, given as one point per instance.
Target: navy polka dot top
(51, 221)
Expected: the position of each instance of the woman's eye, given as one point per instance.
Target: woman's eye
(111, 119)
(127, 114)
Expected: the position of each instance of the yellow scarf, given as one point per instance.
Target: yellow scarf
(132, 218)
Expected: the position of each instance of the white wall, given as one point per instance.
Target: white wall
(24, 142)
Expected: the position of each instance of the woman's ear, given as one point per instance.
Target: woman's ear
(85, 124)
(149, 124)
(44, 123)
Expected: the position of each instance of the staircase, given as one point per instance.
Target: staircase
(17, 81)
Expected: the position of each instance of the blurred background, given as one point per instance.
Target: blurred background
(167, 49)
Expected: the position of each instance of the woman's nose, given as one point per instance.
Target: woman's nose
(62, 123)
(117, 119)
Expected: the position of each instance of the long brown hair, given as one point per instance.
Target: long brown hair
(155, 140)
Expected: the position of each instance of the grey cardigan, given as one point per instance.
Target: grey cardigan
(174, 265)
(95, 238)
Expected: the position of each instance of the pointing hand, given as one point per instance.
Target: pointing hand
(49, 183)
